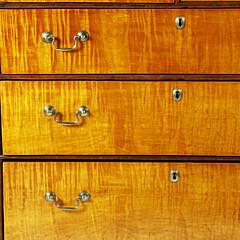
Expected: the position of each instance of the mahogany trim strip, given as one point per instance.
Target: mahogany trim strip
(124, 158)
(123, 77)
(103, 5)
(174, 5)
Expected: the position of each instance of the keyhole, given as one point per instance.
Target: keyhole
(174, 176)
(177, 95)
(180, 22)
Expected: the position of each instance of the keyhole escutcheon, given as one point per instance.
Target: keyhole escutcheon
(180, 22)
(174, 176)
(177, 94)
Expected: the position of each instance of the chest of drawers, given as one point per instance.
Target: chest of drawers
(120, 120)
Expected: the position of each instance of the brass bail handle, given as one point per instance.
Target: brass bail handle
(82, 36)
(83, 196)
(83, 112)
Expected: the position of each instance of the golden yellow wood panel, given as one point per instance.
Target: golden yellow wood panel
(126, 118)
(134, 41)
(134, 201)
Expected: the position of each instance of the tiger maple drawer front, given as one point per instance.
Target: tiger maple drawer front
(122, 118)
(127, 201)
(133, 41)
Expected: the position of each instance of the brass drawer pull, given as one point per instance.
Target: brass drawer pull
(84, 196)
(82, 112)
(48, 37)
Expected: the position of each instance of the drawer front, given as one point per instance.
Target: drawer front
(137, 41)
(128, 201)
(126, 118)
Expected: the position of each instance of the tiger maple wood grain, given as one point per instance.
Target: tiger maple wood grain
(130, 41)
(126, 118)
(134, 201)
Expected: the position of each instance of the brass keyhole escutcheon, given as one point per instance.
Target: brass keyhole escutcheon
(180, 22)
(177, 94)
(174, 176)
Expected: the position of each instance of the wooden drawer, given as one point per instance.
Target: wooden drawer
(131, 41)
(126, 118)
(128, 201)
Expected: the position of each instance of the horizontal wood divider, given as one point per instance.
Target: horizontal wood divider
(159, 158)
(123, 77)
(176, 5)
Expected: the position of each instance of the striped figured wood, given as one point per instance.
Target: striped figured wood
(134, 201)
(130, 41)
(126, 118)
